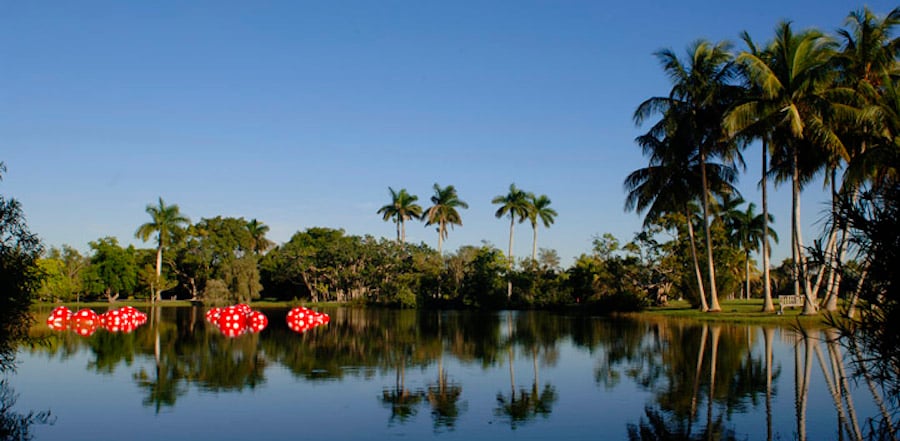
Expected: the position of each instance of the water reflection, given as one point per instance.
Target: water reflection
(697, 381)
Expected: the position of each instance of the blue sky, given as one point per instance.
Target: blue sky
(302, 114)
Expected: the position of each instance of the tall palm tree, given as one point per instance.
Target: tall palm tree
(402, 208)
(167, 223)
(672, 182)
(865, 64)
(540, 210)
(748, 230)
(793, 76)
(258, 232)
(517, 205)
(443, 212)
(756, 127)
(702, 91)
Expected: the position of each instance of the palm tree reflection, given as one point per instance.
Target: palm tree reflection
(524, 405)
(402, 401)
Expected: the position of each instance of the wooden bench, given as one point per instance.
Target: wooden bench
(790, 302)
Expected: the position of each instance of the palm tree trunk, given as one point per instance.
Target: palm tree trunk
(398, 229)
(747, 272)
(834, 284)
(512, 223)
(713, 292)
(768, 305)
(157, 295)
(440, 238)
(851, 311)
(534, 244)
(690, 225)
(402, 231)
(800, 275)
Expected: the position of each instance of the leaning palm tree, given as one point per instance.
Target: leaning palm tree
(443, 212)
(793, 77)
(167, 223)
(517, 205)
(539, 210)
(259, 242)
(702, 91)
(672, 182)
(402, 208)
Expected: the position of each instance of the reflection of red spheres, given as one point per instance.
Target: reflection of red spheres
(85, 322)
(302, 319)
(258, 321)
(59, 317)
(125, 319)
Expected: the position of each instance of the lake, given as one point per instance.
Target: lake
(385, 374)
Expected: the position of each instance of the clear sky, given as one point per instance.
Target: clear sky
(302, 114)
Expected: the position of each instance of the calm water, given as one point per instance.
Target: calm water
(377, 374)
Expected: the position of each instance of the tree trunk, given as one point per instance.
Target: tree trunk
(512, 223)
(713, 291)
(800, 275)
(768, 305)
(534, 244)
(851, 311)
(703, 305)
(402, 231)
(747, 272)
(440, 238)
(156, 293)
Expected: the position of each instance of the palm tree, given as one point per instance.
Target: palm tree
(700, 95)
(402, 208)
(748, 230)
(792, 77)
(865, 65)
(444, 212)
(672, 182)
(517, 204)
(167, 223)
(258, 232)
(540, 210)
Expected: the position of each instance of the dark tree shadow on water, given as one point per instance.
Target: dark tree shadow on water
(19, 250)
(14, 425)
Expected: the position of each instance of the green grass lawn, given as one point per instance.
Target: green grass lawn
(737, 311)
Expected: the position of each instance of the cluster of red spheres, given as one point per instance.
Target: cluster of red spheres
(237, 320)
(85, 322)
(302, 319)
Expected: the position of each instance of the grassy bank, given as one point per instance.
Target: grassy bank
(737, 311)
